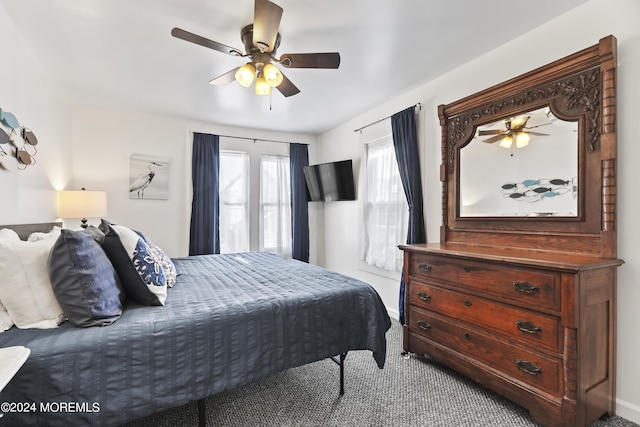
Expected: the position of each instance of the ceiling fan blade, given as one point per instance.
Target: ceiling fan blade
(311, 60)
(225, 79)
(493, 139)
(536, 133)
(537, 126)
(287, 88)
(485, 132)
(266, 21)
(194, 38)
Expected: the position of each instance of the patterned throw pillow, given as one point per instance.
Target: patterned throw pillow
(158, 254)
(142, 276)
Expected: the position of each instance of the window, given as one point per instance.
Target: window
(275, 205)
(385, 207)
(234, 201)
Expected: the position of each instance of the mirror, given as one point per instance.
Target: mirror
(553, 188)
(524, 165)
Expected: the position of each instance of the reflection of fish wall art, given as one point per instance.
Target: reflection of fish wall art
(535, 190)
(148, 177)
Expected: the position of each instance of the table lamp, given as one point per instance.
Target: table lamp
(82, 204)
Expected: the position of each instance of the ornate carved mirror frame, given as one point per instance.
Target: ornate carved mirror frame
(578, 87)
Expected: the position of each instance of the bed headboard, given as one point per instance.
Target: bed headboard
(24, 230)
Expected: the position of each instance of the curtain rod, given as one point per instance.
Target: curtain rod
(261, 139)
(384, 118)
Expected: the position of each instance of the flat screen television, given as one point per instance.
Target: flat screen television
(329, 182)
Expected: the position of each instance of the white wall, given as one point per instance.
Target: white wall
(103, 141)
(26, 91)
(567, 34)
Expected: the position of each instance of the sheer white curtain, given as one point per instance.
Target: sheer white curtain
(385, 207)
(234, 201)
(275, 205)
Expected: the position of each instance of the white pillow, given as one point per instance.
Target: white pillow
(9, 234)
(25, 289)
(38, 235)
(5, 321)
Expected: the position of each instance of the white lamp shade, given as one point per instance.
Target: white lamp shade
(245, 74)
(272, 75)
(82, 204)
(262, 87)
(506, 142)
(522, 140)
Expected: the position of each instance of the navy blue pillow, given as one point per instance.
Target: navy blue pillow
(83, 279)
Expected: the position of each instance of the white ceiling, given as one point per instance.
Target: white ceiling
(119, 53)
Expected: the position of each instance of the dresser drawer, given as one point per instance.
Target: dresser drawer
(540, 371)
(522, 286)
(524, 325)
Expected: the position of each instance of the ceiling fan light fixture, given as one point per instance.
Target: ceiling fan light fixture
(522, 140)
(519, 121)
(262, 87)
(272, 75)
(245, 74)
(261, 39)
(506, 142)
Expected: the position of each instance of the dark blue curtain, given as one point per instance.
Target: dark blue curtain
(204, 236)
(405, 142)
(298, 159)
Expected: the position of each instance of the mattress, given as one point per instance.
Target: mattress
(230, 320)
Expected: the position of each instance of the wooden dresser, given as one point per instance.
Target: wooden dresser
(537, 329)
(525, 303)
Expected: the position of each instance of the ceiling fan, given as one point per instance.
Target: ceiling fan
(261, 40)
(515, 129)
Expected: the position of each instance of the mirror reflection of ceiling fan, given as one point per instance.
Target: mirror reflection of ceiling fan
(261, 40)
(515, 129)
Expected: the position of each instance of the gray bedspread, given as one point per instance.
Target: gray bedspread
(230, 320)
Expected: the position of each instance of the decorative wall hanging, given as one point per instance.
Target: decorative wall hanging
(148, 177)
(17, 143)
(535, 190)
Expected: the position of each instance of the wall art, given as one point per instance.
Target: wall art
(148, 177)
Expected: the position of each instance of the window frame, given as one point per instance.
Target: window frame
(262, 204)
(362, 264)
(247, 197)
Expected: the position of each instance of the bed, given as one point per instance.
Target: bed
(229, 320)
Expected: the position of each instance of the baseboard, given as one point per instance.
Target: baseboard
(394, 314)
(628, 411)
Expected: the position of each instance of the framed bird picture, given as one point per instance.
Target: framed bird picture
(148, 177)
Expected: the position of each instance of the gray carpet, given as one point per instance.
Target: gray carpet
(407, 392)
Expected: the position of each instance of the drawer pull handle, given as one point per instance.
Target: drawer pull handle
(525, 287)
(423, 325)
(467, 303)
(424, 296)
(466, 269)
(425, 268)
(528, 367)
(528, 327)
(467, 335)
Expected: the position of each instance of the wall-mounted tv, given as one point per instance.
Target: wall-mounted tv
(328, 182)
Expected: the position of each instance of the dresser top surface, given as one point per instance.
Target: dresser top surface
(555, 260)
